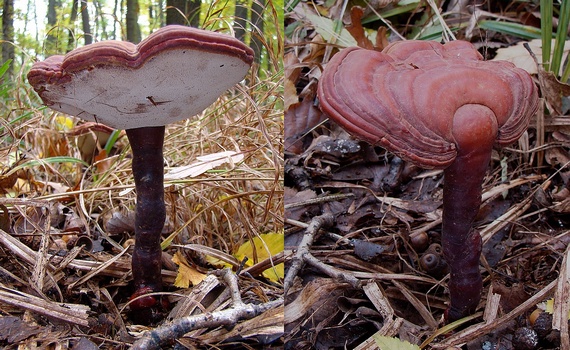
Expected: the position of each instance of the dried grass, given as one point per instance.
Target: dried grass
(221, 208)
(531, 228)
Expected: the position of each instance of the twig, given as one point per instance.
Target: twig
(478, 330)
(318, 222)
(319, 200)
(71, 313)
(118, 269)
(238, 311)
(560, 314)
(332, 271)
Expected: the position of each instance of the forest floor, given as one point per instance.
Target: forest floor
(67, 225)
(364, 218)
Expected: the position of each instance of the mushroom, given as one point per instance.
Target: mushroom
(438, 106)
(172, 75)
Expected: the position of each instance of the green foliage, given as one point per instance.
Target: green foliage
(553, 63)
(561, 36)
(515, 29)
(401, 8)
(5, 86)
(546, 29)
(43, 162)
(33, 38)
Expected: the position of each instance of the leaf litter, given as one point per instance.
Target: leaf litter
(68, 224)
(358, 219)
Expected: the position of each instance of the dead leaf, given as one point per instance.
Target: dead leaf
(203, 164)
(520, 57)
(91, 138)
(357, 30)
(511, 296)
(120, 223)
(85, 344)
(263, 247)
(562, 207)
(8, 181)
(186, 274)
(315, 293)
(367, 251)
(387, 343)
(298, 203)
(552, 90)
(382, 38)
(73, 222)
(292, 73)
(102, 163)
(5, 223)
(557, 156)
(302, 118)
(14, 330)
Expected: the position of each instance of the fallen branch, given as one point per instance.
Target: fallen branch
(318, 222)
(160, 336)
(70, 313)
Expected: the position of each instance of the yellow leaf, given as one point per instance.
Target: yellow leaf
(186, 273)
(216, 262)
(550, 307)
(63, 123)
(276, 273)
(266, 245)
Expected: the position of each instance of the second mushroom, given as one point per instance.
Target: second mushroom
(172, 75)
(438, 106)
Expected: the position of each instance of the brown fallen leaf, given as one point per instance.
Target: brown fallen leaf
(552, 89)
(357, 30)
(14, 330)
(292, 73)
(186, 274)
(301, 118)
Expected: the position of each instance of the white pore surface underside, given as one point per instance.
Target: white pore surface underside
(170, 87)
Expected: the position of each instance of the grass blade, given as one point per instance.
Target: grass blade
(561, 36)
(516, 29)
(546, 28)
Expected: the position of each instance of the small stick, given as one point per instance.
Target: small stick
(318, 222)
(238, 311)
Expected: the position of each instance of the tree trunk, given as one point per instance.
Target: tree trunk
(186, 12)
(72, 19)
(133, 29)
(161, 13)
(100, 21)
(115, 7)
(257, 21)
(240, 19)
(87, 36)
(8, 36)
(51, 39)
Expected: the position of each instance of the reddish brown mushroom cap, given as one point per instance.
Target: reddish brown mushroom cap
(173, 74)
(405, 97)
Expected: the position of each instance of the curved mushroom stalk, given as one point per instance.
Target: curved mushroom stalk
(148, 172)
(474, 130)
(438, 106)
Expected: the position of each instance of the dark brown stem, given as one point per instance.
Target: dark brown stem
(475, 131)
(148, 171)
